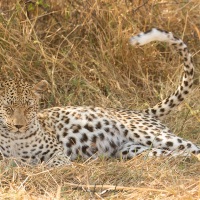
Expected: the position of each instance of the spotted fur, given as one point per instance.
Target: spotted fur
(92, 131)
(59, 134)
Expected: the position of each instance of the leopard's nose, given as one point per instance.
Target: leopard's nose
(18, 126)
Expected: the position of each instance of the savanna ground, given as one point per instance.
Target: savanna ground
(81, 48)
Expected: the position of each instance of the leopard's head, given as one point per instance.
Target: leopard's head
(19, 104)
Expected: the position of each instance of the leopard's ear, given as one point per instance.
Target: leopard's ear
(1, 88)
(40, 87)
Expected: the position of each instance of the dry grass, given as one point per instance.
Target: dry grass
(81, 48)
(139, 178)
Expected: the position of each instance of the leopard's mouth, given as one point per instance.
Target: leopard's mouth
(18, 132)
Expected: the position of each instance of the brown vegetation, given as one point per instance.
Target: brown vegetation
(81, 48)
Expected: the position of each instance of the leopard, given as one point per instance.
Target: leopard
(58, 136)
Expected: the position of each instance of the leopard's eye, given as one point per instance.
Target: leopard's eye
(8, 110)
(29, 109)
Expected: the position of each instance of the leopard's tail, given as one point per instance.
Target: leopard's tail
(165, 106)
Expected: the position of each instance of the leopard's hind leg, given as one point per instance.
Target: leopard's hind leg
(129, 150)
